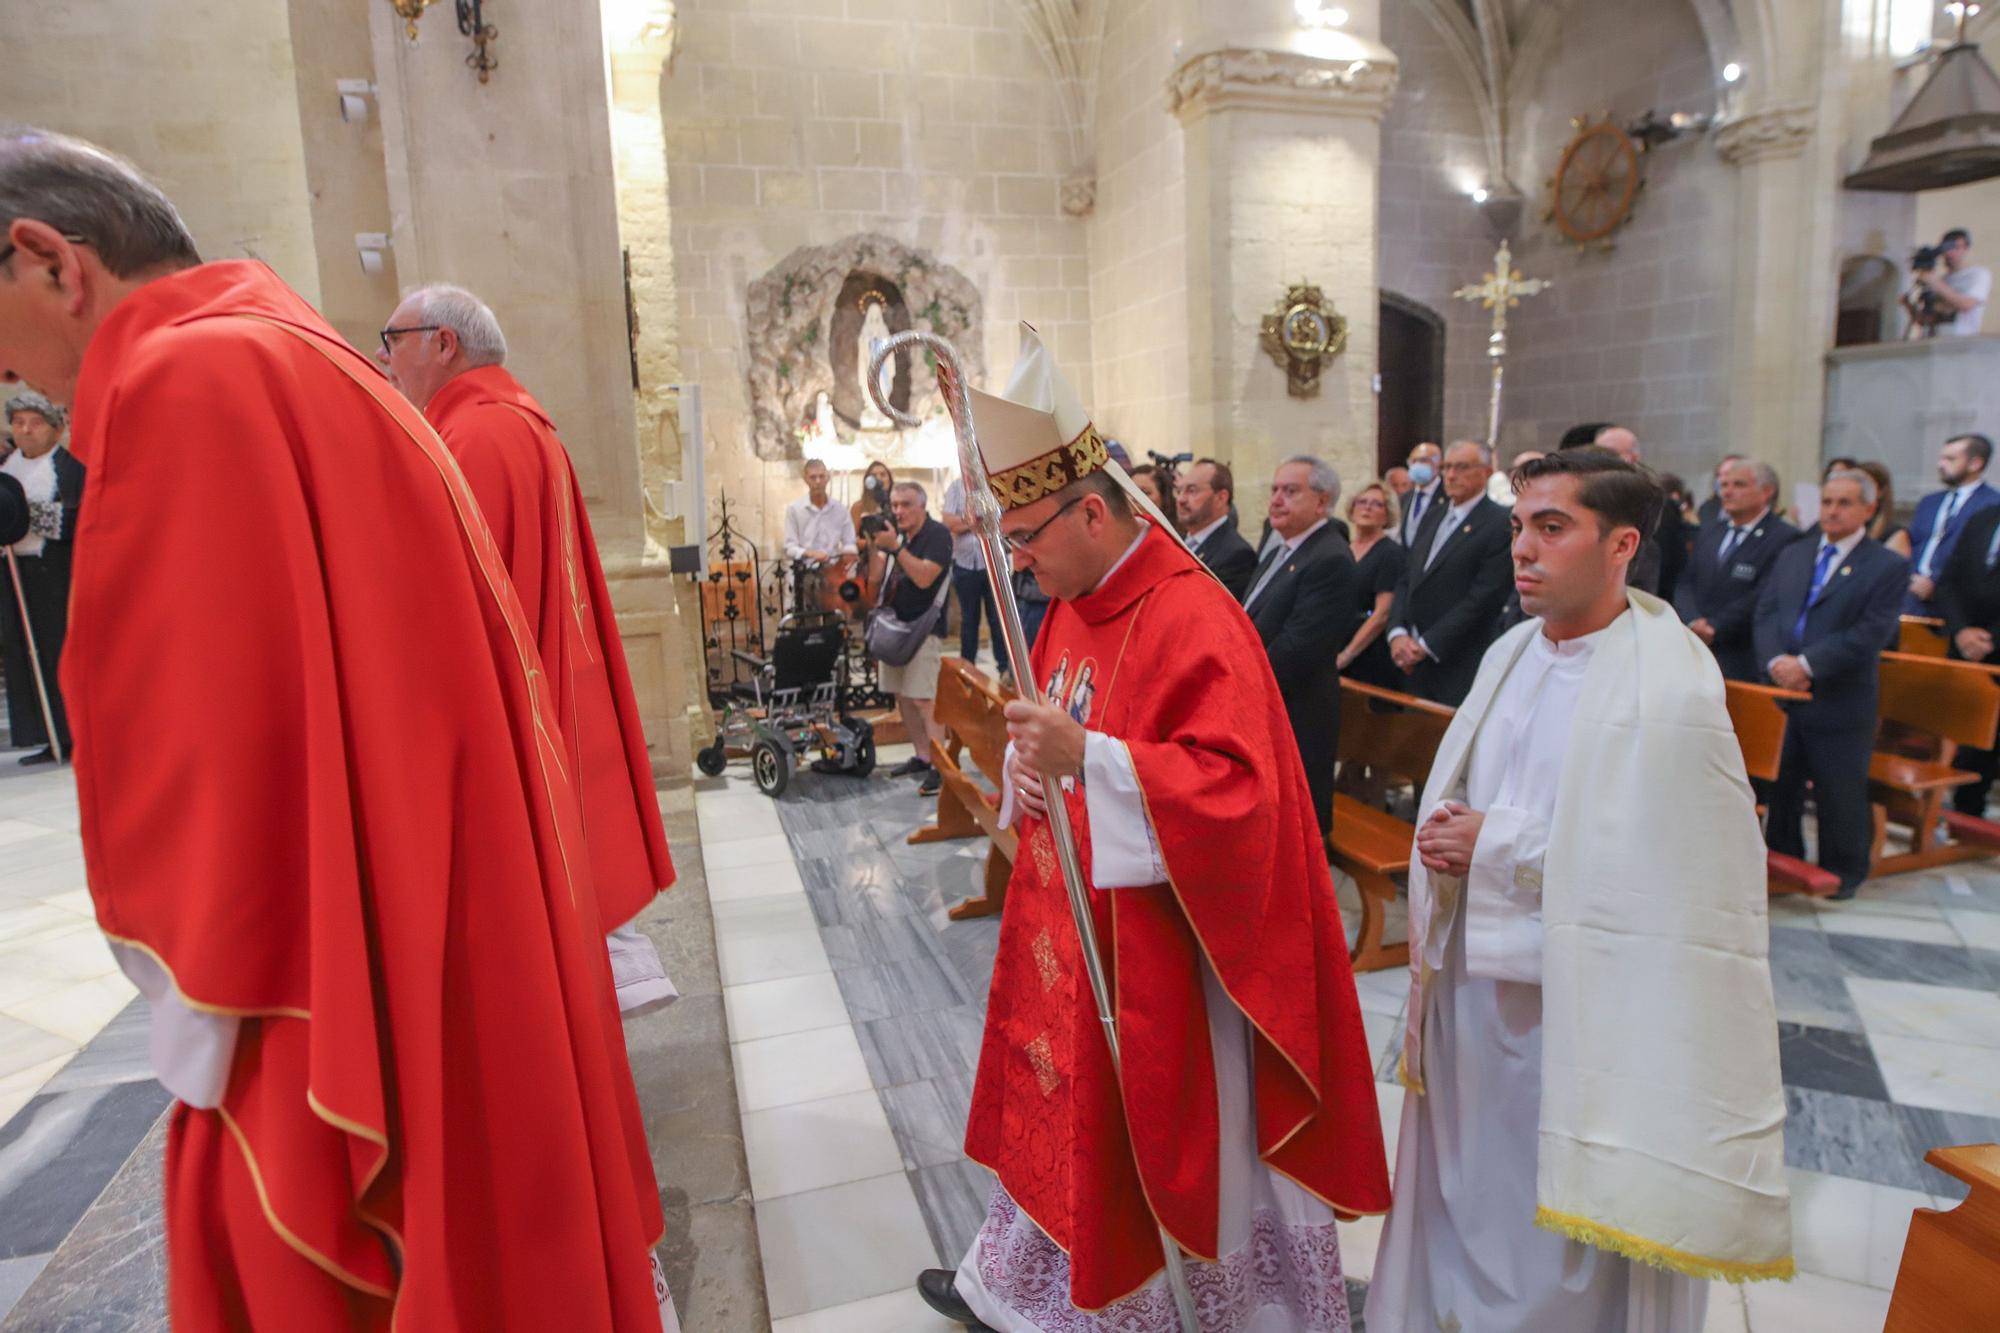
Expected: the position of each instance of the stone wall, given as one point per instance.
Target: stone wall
(1641, 334)
(201, 97)
(1138, 234)
(803, 122)
(1434, 239)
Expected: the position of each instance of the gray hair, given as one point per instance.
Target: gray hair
(1859, 478)
(922, 498)
(1485, 450)
(85, 192)
(29, 401)
(1323, 478)
(1767, 476)
(467, 316)
(810, 464)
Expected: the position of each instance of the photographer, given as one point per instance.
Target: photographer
(910, 620)
(1950, 304)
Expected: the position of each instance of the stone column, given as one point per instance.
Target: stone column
(1283, 144)
(507, 188)
(1783, 319)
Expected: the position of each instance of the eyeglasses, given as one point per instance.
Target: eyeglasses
(7, 251)
(1027, 539)
(392, 331)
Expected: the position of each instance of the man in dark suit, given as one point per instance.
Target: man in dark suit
(1968, 597)
(1447, 605)
(1942, 516)
(1301, 600)
(1717, 597)
(1826, 611)
(1658, 566)
(1204, 496)
(1426, 489)
(1711, 508)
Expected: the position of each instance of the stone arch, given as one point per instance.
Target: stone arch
(1867, 301)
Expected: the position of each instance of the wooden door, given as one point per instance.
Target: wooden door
(1410, 407)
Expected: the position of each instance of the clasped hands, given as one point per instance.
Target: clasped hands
(1048, 742)
(1446, 839)
(1406, 652)
(1974, 645)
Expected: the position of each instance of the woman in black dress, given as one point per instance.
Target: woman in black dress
(1379, 561)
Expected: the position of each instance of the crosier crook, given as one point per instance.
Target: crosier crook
(985, 512)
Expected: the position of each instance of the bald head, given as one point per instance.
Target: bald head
(1619, 441)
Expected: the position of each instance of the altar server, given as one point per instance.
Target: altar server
(1594, 1118)
(1245, 1120)
(327, 816)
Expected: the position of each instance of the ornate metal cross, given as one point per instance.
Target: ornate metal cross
(1503, 289)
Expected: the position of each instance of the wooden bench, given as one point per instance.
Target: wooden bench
(1950, 1276)
(969, 708)
(1394, 735)
(1760, 730)
(1928, 707)
(1922, 636)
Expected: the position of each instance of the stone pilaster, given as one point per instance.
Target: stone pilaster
(1781, 327)
(508, 188)
(1282, 145)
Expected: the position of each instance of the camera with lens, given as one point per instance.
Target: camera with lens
(1926, 258)
(872, 524)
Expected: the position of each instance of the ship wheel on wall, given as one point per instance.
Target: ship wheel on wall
(1595, 184)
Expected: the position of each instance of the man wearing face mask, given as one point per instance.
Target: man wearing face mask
(1425, 489)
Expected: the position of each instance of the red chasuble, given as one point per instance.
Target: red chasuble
(519, 471)
(323, 783)
(1162, 658)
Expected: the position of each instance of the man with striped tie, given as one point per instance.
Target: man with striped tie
(1941, 517)
(1824, 616)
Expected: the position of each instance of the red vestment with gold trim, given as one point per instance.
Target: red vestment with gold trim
(517, 467)
(323, 783)
(1160, 657)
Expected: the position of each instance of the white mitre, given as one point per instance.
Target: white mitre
(1035, 437)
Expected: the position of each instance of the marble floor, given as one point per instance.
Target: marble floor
(59, 990)
(855, 1007)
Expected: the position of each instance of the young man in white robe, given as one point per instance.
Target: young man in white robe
(1594, 1124)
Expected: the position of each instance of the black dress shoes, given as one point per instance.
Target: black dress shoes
(45, 755)
(940, 1292)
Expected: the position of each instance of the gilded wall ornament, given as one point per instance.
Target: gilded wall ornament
(1301, 335)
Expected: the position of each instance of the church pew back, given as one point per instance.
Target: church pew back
(1760, 724)
(1955, 701)
(1395, 734)
(1922, 635)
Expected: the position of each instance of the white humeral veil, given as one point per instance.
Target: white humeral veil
(1630, 1103)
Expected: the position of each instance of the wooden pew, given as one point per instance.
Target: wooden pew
(1395, 735)
(969, 708)
(1923, 636)
(1760, 731)
(1929, 706)
(1950, 1277)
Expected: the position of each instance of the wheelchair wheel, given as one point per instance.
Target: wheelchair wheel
(771, 766)
(864, 755)
(711, 760)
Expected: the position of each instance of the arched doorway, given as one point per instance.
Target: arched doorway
(1409, 409)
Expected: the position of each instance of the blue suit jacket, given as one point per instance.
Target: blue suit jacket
(1924, 521)
(1846, 631)
(1727, 597)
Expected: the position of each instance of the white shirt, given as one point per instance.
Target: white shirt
(965, 549)
(1977, 283)
(829, 528)
(1511, 777)
(1955, 501)
(1285, 547)
(1746, 528)
(1448, 525)
(1415, 505)
(38, 478)
(1200, 535)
